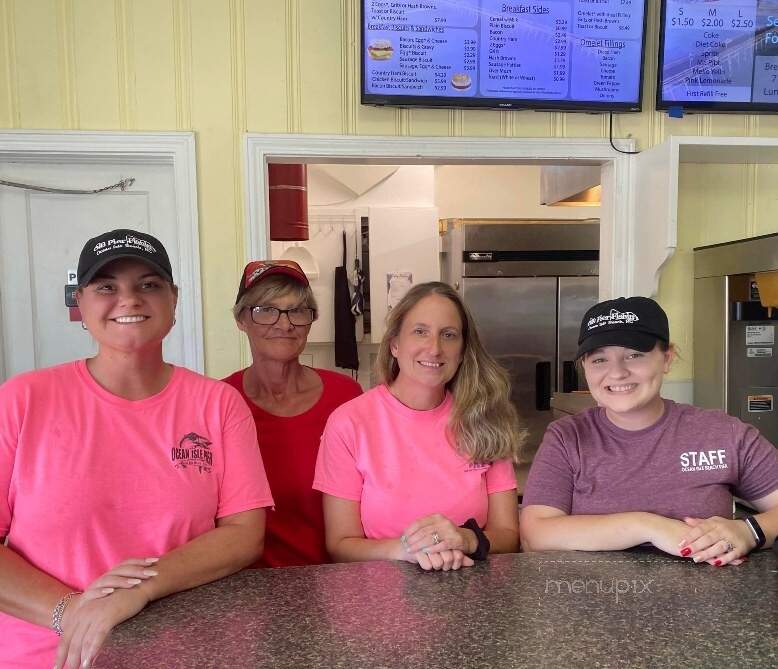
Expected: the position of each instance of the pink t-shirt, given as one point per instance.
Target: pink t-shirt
(88, 479)
(399, 465)
(689, 463)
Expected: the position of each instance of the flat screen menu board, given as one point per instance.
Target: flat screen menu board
(504, 54)
(719, 55)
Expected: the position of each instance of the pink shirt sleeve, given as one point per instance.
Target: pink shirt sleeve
(336, 464)
(244, 484)
(9, 432)
(500, 477)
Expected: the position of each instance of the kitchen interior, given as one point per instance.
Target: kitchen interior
(522, 249)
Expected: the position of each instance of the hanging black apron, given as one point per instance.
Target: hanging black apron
(345, 335)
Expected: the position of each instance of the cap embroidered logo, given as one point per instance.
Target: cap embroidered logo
(612, 318)
(258, 272)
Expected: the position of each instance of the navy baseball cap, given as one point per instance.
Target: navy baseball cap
(632, 322)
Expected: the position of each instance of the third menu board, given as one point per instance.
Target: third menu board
(721, 51)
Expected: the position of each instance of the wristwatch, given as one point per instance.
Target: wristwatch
(756, 530)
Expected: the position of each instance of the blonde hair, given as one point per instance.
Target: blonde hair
(484, 425)
(272, 287)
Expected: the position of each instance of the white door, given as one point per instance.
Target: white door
(41, 236)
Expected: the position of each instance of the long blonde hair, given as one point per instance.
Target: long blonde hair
(484, 425)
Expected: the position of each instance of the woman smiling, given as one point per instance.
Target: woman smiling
(419, 468)
(642, 469)
(122, 478)
(275, 308)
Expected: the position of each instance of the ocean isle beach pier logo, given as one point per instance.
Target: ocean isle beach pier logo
(127, 242)
(615, 317)
(192, 451)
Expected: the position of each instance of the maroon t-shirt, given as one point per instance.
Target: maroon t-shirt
(689, 463)
(289, 445)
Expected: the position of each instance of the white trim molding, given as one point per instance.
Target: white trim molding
(655, 177)
(655, 188)
(168, 148)
(617, 210)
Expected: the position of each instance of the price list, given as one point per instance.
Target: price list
(765, 85)
(608, 46)
(528, 51)
(710, 52)
(512, 49)
(421, 48)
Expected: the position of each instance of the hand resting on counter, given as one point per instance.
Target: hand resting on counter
(85, 625)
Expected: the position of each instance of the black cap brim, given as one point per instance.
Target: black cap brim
(638, 341)
(90, 274)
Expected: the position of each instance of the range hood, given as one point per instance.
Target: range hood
(570, 186)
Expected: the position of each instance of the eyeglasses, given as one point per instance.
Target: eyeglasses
(262, 315)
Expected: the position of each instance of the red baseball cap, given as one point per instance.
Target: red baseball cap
(257, 270)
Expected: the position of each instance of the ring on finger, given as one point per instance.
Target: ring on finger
(435, 538)
(729, 547)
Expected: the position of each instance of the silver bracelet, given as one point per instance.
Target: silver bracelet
(756, 530)
(753, 531)
(59, 611)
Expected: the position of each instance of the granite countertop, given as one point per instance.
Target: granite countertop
(570, 609)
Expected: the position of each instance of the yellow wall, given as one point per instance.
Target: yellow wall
(716, 203)
(224, 67)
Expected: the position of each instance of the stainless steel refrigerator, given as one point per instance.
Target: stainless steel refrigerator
(527, 284)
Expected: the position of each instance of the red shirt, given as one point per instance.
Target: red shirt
(289, 446)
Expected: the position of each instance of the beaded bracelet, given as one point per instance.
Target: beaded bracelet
(59, 611)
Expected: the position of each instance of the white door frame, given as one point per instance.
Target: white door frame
(617, 215)
(167, 148)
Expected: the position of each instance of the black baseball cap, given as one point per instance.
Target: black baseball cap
(632, 322)
(110, 246)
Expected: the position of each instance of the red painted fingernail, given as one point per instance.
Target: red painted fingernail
(717, 563)
(686, 552)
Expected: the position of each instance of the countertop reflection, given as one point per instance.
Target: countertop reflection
(525, 610)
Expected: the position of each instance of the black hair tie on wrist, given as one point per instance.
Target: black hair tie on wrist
(484, 545)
